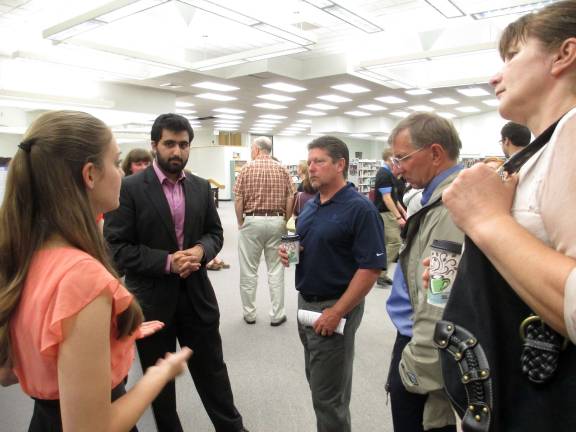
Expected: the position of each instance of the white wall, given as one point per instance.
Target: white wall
(290, 150)
(9, 144)
(214, 162)
(480, 134)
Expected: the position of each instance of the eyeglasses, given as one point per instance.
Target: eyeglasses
(397, 161)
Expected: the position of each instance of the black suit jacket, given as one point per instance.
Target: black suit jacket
(141, 234)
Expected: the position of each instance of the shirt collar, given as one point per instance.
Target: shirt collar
(429, 189)
(337, 197)
(162, 177)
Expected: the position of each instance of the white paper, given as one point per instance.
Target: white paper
(308, 318)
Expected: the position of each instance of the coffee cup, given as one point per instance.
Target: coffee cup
(291, 244)
(444, 260)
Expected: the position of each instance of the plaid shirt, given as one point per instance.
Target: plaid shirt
(263, 184)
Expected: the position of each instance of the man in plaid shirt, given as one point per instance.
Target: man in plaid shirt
(264, 196)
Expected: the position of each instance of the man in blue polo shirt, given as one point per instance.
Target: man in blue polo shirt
(342, 239)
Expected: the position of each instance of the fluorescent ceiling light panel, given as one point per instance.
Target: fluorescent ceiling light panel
(272, 106)
(229, 116)
(283, 34)
(184, 111)
(446, 8)
(444, 101)
(334, 98)
(390, 100)
(345, 15)
(320, 3)
(312, 113)
(285, 87)
(351, 88)
(397, 64)
(360, 135)
(473, 92)
(276, 98)
(220, 65)
(306, 121)
(229, 110)
(468, 109)
(491, 102)
(216, 96)
(81, 27)
(277, 54)
(358, 113)
(102, 15)
(182, 104)
(133, 8)
(400, 114)
(222, 125)
(372, 107)
(268, 121)
(209, 85)
(171, 85)
(352, 18)
(272, 116)
(519, 9)
(421, 108)
(222, 11)
(417, 92)
(446, 115)
(321, 106)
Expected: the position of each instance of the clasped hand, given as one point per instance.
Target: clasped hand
(187, 261)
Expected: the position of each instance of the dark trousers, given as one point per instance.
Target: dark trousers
(206, 366)
(407, 408)
(46, 416)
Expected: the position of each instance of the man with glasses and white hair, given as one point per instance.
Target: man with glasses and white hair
(426, 148)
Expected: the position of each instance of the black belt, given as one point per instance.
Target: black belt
(316, 298)
(264, 213)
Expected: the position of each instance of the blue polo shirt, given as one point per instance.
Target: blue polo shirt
(338, 237)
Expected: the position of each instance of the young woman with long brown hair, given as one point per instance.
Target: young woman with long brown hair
(67, 325)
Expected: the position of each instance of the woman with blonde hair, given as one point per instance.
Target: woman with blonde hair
(67, 325)
(508, 364)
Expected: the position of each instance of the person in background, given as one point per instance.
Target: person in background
(386, 200)
(161, 236)
(426, 148)
(264, 198)
(136, 160)
(302, 171)
(342, 240)
(67, 325)
(514, 138)
(519, 260)
(303, 196)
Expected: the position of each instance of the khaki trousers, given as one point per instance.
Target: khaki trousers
(261, 234)
(392, 238)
